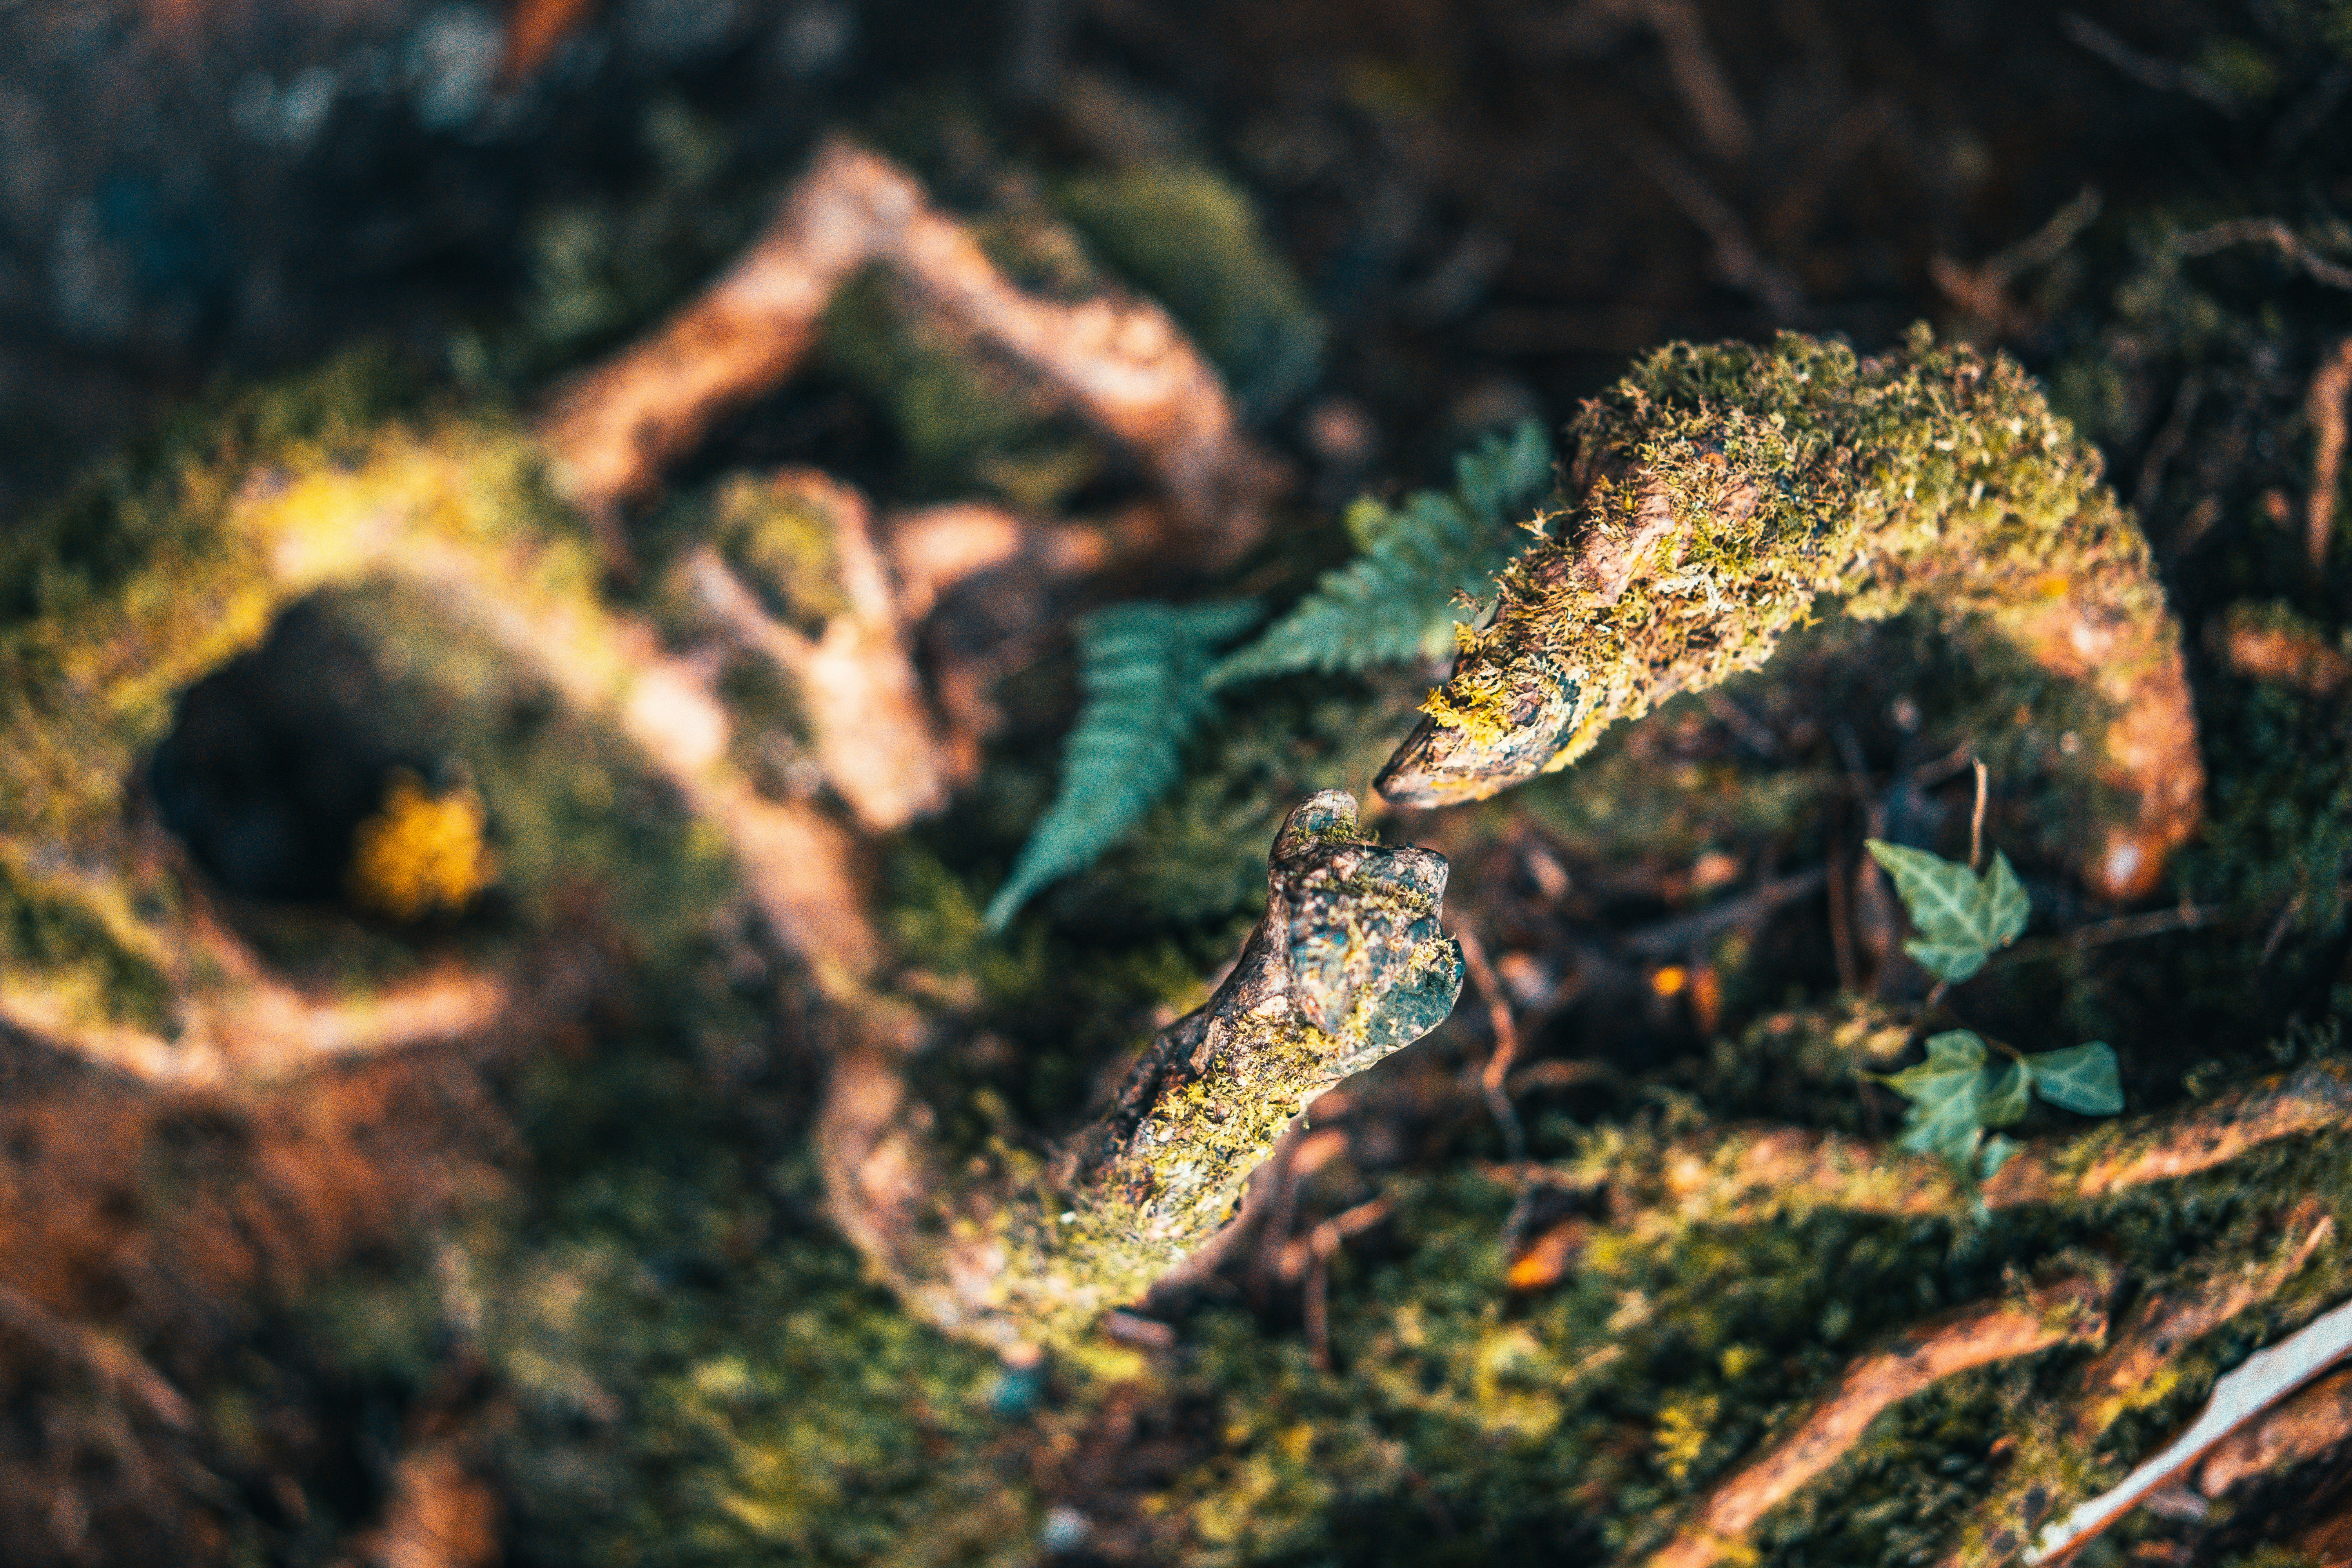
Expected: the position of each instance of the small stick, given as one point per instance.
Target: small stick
(1491, 1081)
(2261, 1380)
(2329, 389)
(1975, 823)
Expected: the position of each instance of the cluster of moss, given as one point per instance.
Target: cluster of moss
(1791, 472)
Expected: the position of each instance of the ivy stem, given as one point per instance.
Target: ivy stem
(1976, 824)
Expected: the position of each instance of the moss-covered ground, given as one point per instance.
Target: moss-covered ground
(629, 1296)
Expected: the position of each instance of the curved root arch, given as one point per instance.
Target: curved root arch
(1726, 488)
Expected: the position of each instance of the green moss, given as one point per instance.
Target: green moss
(1787, 475)
(965, 417)
(1193, 240)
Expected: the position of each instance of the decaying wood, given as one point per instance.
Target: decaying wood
(2019, 533)
(1122, 361)
(1346, 965)
(2259, 1382)
(2065, 1310)
(2125, 1376)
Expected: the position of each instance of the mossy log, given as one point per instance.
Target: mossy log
(1726, 490)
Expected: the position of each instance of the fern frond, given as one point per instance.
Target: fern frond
(1396, 601)
(1144, 667)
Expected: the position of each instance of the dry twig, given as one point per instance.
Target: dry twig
(2259, 1382)
(2125, 1376)
(2329, 388)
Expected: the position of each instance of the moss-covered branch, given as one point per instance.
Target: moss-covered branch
(1744, 1176)
(1347, 966)
(2071, 1308)
(1726, 490)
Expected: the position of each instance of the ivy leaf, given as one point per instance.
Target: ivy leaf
(2006, 1099)
(1946, 1093)
(1997, 1150)
(2081, 1077)
(1961, 916)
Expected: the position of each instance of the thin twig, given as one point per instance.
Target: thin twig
(1493, 1077)
(1668, 938)
(2329, 388)
(2264, 231)
(2161, 76)
(2259, 1382)
(2124, 927)
(1975, 823)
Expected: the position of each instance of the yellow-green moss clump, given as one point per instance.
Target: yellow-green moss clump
(1729, 489)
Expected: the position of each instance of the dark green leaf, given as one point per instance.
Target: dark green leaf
(1946, 1093)
(1396, 601)
(1945, 962)
(1961, 916)
(2081, 1079)
(1144, 667)
(2006, 1099)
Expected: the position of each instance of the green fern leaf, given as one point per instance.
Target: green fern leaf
(1144, 667)
(1396, 601)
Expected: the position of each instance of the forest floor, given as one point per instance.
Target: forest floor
(567, 1289)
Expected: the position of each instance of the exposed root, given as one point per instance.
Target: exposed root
(875, 738)
(2259, 1382)
(1745, 1176)
(2066, 1309)
(1725, 489)
(2262, 645)
(112, 1363)
(938, 548)
(2125, 1376)
(2329, 389)
(1121, 362)
(257, 1027)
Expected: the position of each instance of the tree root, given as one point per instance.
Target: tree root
(1746, 1176)
(1122, 362)
(2125, 1376)
(1725, 489)
(2070, 1308)
(876, 741)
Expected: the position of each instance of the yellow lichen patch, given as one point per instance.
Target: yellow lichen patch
(1684, 1428)
(421, 853)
